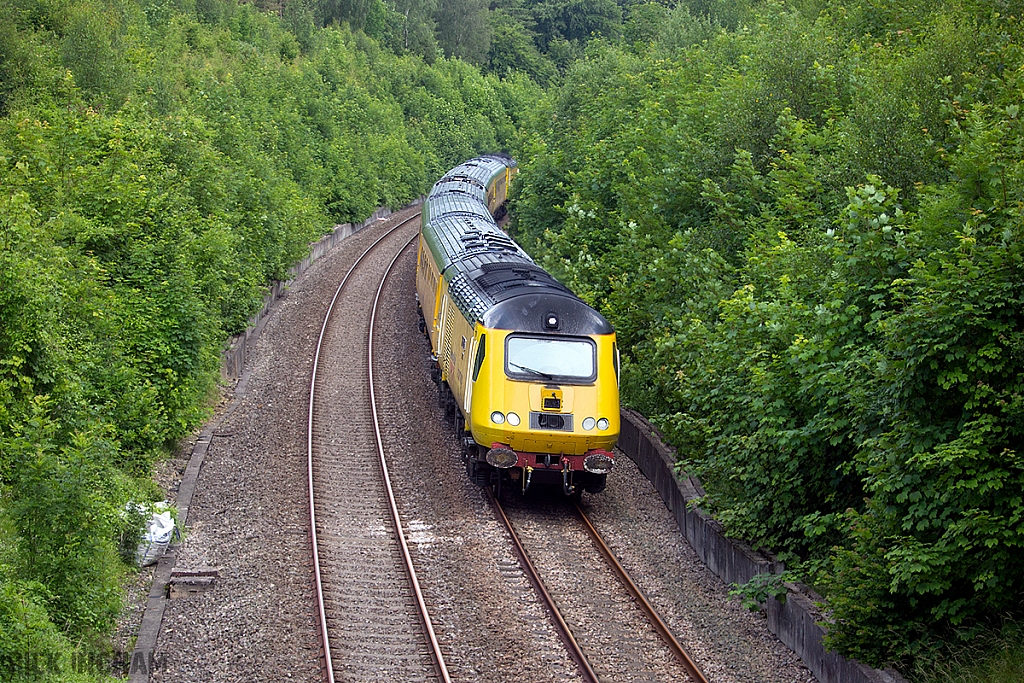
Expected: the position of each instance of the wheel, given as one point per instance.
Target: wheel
(480, 473)
(447, 401)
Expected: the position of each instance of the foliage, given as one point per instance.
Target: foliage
(994, 655)
(160, 163)
(33, 648)
(806, 232)
(755, 593)
(464, 29)
(513, 49)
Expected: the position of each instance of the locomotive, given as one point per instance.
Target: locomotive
(528, 372)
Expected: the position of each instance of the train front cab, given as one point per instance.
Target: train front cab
(544, 403)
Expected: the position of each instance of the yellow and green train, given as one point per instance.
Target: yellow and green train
(528, 372)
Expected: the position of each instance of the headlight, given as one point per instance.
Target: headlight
(588, 423)
(513, 419)
(497, 418)
(603, 424)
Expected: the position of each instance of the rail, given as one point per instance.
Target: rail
(641, 599)
(575, 651)
(531, 573)
(395, 516)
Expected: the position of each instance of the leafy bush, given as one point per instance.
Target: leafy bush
(806, 234)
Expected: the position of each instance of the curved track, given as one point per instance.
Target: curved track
(611, 630)
(372, 618)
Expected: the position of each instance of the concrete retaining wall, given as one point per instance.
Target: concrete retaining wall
(233, 358)
(795, 621)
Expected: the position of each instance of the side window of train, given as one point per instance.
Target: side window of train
(438, 290)
(481, 350)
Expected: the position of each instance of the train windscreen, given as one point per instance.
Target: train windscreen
(563, 359)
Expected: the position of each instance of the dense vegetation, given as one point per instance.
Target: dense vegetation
(539, 38)
(803, 218)
(160, 162)
(805, 222)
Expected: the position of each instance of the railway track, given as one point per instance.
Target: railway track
(373, 622)
(611, 630)
(493, 628)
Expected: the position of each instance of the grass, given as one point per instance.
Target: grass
(994, 656)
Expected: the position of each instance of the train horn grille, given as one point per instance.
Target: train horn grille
(551, 422)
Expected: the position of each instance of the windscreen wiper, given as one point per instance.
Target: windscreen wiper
(531, 371)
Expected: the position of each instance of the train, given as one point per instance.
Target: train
(528, 373)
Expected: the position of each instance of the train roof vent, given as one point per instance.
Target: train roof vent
(467, 297)
(460, 178)
(497, 277)
(473, 240)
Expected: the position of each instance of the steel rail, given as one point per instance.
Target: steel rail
(318, 580)
(442, 670)
(531, 571)
(641, 599)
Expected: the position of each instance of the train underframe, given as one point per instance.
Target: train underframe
(532, 468)
(528, 468)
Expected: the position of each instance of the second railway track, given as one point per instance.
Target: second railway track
(370, 612)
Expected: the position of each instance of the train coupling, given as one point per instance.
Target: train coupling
(567, 488)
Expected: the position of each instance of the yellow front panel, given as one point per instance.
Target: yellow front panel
(495, 391)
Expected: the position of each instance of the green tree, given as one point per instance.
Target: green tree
(513, 49)
(464, 29)
(575, 20)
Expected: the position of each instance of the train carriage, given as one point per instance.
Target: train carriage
(528, 372)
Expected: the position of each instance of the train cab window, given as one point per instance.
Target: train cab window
(481, 350)
(571, 360)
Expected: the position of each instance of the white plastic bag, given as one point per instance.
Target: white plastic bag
(157, 536)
